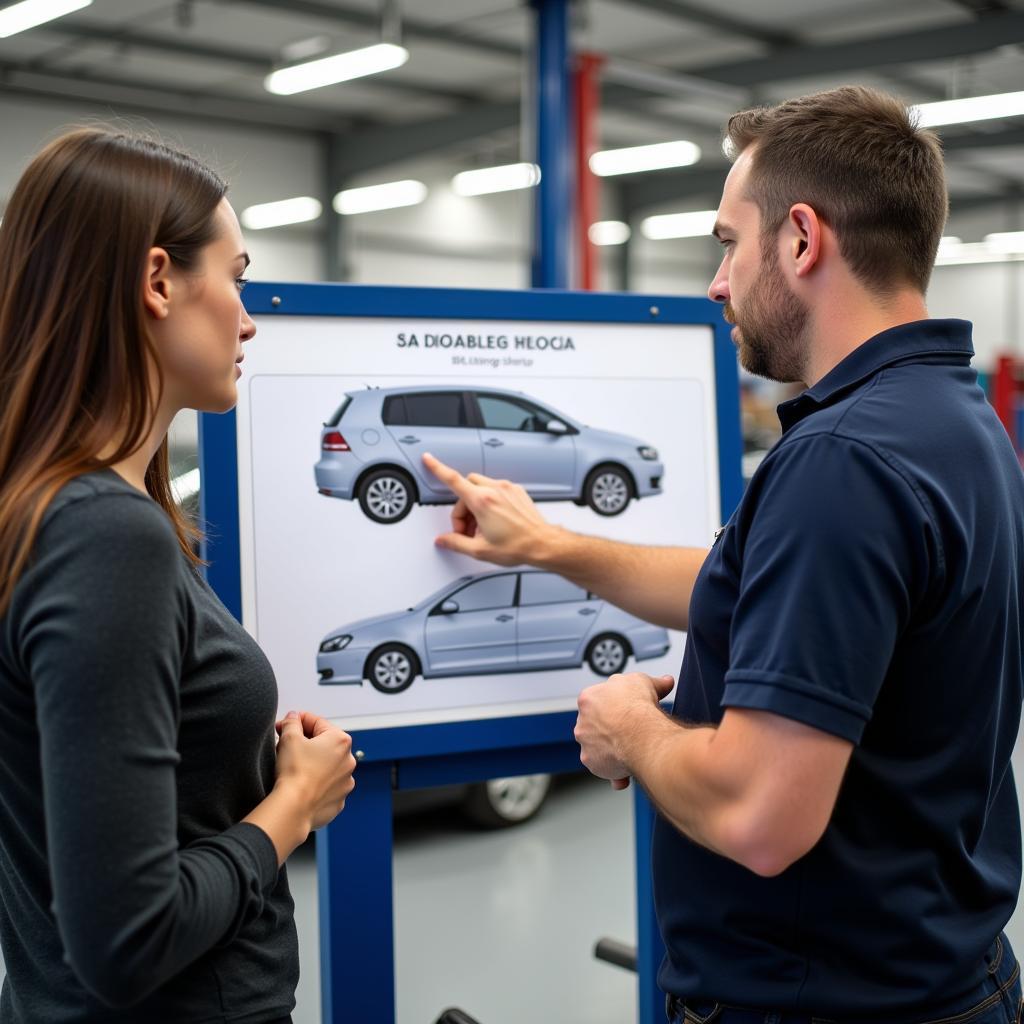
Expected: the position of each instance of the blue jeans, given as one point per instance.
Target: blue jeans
(997, 1001)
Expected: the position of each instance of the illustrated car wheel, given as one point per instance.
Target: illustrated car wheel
(499, 803)
(607, 654)
(392, 668)
(608, 490)
(386, 495)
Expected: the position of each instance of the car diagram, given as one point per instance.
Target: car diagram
(508, 620)
(370, 451)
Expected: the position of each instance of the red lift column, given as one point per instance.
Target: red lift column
(587, 86)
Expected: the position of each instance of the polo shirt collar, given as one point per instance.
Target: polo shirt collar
(918, 341)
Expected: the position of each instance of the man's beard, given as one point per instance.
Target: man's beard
(772, 326)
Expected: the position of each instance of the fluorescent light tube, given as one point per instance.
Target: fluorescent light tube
(1006, 241)
(974, 108)
(185, 486)
(608, 232)
(342, 67)
(644, 158)
(19, 17)
(380, 197)
(284, 211)
(505, 178)
(976, 252)
(679, 225)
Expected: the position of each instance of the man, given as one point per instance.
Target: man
(838, 834)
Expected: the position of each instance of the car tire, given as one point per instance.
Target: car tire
(386, 495)
(392, 668)
(607, 654)
(499, 803)
(608, 490)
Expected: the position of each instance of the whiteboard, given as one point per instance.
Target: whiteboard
(310, 564)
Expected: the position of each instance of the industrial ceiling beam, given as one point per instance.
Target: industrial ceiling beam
(800, 61)
(712, 19)
(250, 60)
(412, 28)
(362, 151)
(149, 98)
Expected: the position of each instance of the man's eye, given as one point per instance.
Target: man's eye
(240, 283)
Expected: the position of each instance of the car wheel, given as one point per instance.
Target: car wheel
(499, 803)
(607, 654)
(386, 495)
(608, 490)
(392, 668)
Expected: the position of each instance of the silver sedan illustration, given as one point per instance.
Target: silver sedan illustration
(510, 620)
(371, 448)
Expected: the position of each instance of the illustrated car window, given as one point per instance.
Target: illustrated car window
(493, 592)
(435, 409)
(546, 588)
(393, 413)
(509, 414)
(339, 412)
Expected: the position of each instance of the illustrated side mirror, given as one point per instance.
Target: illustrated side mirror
(557, 427)
(449, 607)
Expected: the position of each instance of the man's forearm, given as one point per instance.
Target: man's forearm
(653, 583)
(675, 765)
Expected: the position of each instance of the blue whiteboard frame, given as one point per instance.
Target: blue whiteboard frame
(218, 452)
(354, 853)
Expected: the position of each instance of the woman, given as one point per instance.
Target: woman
(144, 815)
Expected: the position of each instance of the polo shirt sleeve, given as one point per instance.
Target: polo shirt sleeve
(835, 554)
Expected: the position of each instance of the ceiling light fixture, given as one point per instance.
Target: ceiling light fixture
(973, 108)
(29, 13)
(284, 211)
(608, 232)
(342, 67)
(388, 196)
(633, 159)
(1006, 241)
(679, 225)
(505, 178)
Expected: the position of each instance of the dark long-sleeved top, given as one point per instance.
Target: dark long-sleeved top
(136, 731)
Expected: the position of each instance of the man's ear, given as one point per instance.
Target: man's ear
(805, 229)
(156, 284)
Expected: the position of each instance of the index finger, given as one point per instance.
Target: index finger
(447, 475)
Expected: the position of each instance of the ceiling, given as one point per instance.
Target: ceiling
(675, 68)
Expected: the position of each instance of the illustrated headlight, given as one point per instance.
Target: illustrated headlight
(648, 453)
(335, 643)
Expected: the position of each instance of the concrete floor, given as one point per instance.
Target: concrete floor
(502, 924)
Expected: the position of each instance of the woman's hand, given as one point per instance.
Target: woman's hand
(315, 763)
(314, 778)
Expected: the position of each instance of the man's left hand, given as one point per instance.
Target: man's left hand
(611, 717)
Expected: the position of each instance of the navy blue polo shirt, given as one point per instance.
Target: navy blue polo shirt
(870, 585)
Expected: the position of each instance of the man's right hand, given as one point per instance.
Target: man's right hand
(493, 520)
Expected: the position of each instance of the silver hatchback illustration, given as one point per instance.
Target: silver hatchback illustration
(509, 620)
(371, 448)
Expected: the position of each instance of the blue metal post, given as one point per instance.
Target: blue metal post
(553, 215)
(353, 861)
(649, 948)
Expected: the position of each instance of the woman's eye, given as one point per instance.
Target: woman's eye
(240, 283)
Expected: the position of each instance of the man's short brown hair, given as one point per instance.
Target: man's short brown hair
(858, 159)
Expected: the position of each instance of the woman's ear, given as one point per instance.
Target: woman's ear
(805, 246)
(156, 284)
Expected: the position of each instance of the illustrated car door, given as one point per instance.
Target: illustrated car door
(518, 446)
(481, 634)
(435, 422)
(555, 618)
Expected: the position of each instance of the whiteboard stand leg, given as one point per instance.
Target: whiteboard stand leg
(354, 877)
(649, 947)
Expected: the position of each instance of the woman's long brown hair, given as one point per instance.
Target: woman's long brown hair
(76, 358)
